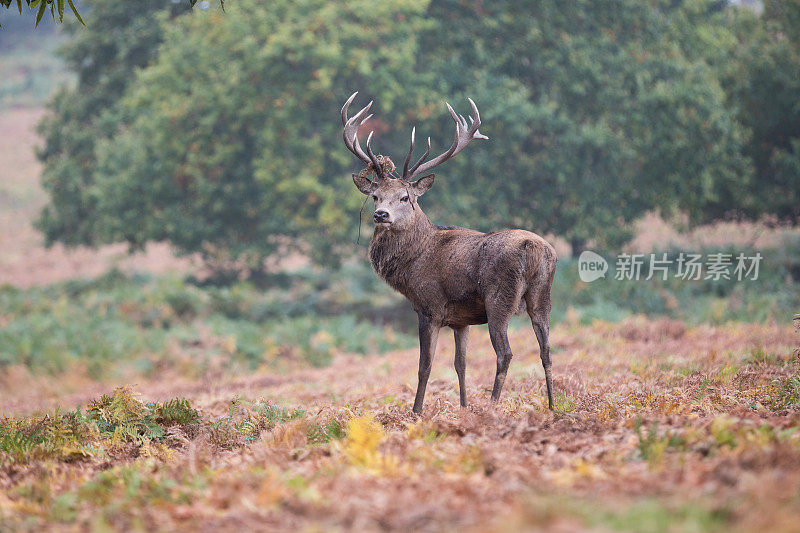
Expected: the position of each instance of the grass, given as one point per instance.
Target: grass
(110, 422)
(654, 444)
(337, 447)
(686, 424)
(116, 324)
(772, 297)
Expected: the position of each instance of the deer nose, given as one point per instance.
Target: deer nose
(380, 216)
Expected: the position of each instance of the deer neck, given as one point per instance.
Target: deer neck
(393, 252)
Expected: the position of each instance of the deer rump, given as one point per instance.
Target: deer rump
(457, 273)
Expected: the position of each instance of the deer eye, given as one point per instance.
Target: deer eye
(375, 197)
(404, 199)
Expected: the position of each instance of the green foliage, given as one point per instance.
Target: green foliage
(272, 414)
(652, 444)
(219, 162)
(763, 86)
(67, 437)
(227, 141)
(124, 418)
(246, 421)
(176, 411)
(117, 324)
(15, 443)
(324, 433)
(595, 115)
(56, 8)
(232, 154)
(110, 421)
(116, 41)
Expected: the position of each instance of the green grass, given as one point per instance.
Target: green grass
(110, 421)
(642, 514)
(118, 325)
(774, 296)
(654, 516)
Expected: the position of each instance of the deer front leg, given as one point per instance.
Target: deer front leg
(461, 336)
(428, 334)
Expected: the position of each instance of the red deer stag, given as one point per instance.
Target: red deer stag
(452, 276)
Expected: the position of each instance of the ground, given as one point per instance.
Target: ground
(657, 427)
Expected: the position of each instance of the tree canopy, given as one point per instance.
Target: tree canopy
(105, 56)
(597, 116)
(220, 132)
(764, 90)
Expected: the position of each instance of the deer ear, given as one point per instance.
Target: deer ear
(422, 185)
(365, 185)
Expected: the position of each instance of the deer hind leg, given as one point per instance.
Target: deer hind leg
(498, 333)
(461, 336)
(538, 307)
(499, 309)
(428, 334)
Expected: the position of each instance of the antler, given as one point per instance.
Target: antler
(464, 134)
(350, 135)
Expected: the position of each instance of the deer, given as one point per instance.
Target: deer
(453, 277)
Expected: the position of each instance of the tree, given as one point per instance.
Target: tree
(763, 85)
(226, 140)
(104, 55)
(230, 142)
(594, 112)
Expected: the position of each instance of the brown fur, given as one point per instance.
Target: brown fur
(453, 277)
(457, 277)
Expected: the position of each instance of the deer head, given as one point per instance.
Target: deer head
(396, 198)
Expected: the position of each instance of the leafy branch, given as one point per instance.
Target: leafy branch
(58, 7)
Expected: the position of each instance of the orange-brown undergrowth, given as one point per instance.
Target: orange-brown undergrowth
(657, 427)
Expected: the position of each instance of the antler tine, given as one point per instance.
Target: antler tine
(346, 106)
(476, 122)
(377, 166)
(413, 170)
(354, 144)
(410, 151)
(351, 125)
(463, 135)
